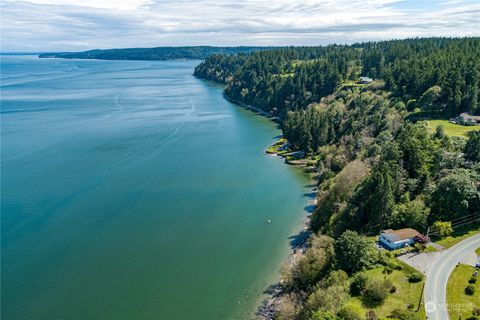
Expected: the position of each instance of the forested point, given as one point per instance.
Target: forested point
(439, 76)
(378, 166)
(159, 53)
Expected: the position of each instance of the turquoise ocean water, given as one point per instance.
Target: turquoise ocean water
(132, 190)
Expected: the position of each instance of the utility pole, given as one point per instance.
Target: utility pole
(421, 297)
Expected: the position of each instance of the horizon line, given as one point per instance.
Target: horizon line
(242, 46)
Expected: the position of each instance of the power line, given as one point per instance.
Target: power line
(467, 216)
(463, 219)
(459, 224)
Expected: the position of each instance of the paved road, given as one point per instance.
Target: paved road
(437, 277)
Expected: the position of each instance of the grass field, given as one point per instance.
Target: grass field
(459, 234)
(407, 293)
(459, 303)
(478, 251)
(274, 147)
(451, 129)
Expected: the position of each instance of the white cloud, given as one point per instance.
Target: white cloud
(105, 4)
(62, 25)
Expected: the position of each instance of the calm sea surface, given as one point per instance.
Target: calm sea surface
(132, 190)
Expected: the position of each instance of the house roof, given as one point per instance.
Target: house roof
(469, 116)
(365, 79)
(401, 234)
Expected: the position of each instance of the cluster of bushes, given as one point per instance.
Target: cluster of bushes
(376, 292)
(470, 288)
(321, 283)
(415, 277)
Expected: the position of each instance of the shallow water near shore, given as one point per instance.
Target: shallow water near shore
(132, 190)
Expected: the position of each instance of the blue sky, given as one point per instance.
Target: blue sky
(69, 25)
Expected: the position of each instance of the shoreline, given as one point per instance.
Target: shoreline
(300, 161)
(266, 309)
(251, 108)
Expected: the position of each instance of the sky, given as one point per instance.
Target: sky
(73, 25)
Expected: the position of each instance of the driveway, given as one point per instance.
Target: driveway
(420, 261)
(438, 274)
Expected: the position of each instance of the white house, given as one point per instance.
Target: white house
(396, 239)
(466, 119)
(365, 80)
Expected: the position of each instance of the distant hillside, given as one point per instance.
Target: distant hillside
(159, 53)
(435, 76)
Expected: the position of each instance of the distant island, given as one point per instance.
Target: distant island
(158, 53)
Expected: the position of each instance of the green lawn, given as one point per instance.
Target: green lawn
(351, 84)
(274, 147)
(286, 75)
(459, 303)
(478, 251)
(459, 234)
(295, 63)
(407, 293)
(451, 129)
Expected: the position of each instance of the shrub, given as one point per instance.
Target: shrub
(327, 299)
(415, 277)
(323, 315)
(353, 252)
(312, 266)
(393, 289)
(403, 315)
(390, 262)
(387, 270)
(358, 284)
(375, 293)
(337, 277)
(443, 228)
(382, 258)
(349, 313)
(286, 308)
(419, 247)
(371, 315)
(472, 148)
(412, 105)
(472, 280)
(440, 132)
(476, 311)
(470, 290)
